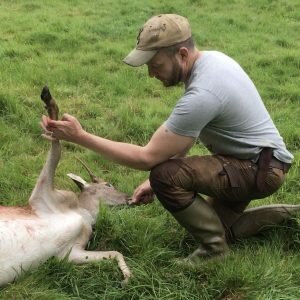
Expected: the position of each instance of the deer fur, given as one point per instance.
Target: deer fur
(55, 222)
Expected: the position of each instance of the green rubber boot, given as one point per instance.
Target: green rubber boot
(202, 222)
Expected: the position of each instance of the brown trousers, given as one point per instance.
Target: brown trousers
(229, 183)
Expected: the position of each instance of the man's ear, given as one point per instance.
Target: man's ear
(184, 53)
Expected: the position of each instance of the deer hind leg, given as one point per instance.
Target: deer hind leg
(79, 256)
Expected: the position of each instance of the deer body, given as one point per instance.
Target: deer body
(55, 223)
(26, 242)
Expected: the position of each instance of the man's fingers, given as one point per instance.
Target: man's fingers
(47, 124)
(145, 199)
(136, 193)
(45, 119)
(44, 128)
(67, 117)
(48, 137)
(135, 201)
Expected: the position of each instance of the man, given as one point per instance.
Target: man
(222, 108)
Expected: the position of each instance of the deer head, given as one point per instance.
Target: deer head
(98, 191)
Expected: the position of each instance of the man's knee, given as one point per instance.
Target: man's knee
(161, 175)
(170, 183)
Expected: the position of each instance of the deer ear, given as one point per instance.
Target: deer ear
(81, 183)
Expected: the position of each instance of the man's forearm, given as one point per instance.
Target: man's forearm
(130, 155)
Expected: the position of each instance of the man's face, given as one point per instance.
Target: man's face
(165, 67)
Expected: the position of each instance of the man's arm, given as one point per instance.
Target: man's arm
(163, 145)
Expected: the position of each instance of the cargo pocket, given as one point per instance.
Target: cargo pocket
(231, 172)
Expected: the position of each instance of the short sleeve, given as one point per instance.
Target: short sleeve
(193, 111)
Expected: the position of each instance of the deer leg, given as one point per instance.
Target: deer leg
(46, 178)
(80, 256)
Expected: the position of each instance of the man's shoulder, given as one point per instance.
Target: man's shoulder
(210, 54)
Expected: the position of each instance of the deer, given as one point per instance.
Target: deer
(55, 223)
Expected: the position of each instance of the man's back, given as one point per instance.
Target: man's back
(222, 106)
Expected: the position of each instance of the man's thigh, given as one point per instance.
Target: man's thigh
(179, 180)
(229, 180)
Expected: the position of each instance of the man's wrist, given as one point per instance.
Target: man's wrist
(81, 138)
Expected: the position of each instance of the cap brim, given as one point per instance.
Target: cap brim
(138, 58)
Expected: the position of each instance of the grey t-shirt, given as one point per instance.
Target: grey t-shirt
(222, 107)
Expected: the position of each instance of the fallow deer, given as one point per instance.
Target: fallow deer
(55, 222)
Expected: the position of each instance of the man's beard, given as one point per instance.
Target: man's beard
(176, 75)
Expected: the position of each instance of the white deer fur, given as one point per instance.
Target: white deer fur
(55, 223)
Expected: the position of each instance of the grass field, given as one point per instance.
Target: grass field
(77, 47)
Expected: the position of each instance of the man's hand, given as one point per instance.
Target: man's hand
(68, 129)
(143, 194)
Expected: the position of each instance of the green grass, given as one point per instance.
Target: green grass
(77, 47)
